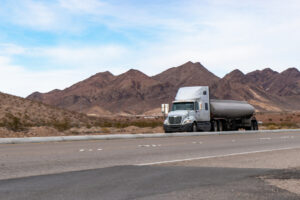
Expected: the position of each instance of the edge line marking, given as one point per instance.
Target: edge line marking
(216, 156)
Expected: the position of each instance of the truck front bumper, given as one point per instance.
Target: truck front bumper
(178, 128)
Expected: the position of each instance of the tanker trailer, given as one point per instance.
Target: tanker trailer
(193, 110)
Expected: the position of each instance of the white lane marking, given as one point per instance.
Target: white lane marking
(82, 150)
(285, 137)
(232, 140)
(216, 156)
(267, 138)
(149, 145)
(197, 142)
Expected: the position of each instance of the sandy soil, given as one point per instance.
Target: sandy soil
(291, 185)
(288, 179)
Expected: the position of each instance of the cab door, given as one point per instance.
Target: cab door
(198, 111)
(204, 105)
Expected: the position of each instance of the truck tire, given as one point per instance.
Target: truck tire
(214, 126)
(252, 127)
(221, 128)
(194, 127)
(255, 125)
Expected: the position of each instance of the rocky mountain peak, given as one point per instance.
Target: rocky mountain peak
(234, 75)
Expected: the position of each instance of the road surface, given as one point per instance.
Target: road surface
(200, 167)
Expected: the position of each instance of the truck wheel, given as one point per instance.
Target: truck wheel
(194, 127)
(220, 126)
(254, 125)
(251, 127)
(214, 126)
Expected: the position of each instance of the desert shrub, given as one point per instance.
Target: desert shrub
(13, 123)
(288, 125)
(145, 123)
(105, 130)
(282, 125)
(88, 126)
(272, 126)
(125, 123)
(61, 125)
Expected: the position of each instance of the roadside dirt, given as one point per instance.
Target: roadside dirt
(288, 179)
(45, 131)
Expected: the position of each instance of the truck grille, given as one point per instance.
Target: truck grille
(175, 120)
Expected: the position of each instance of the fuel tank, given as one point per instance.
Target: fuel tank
(230, 109)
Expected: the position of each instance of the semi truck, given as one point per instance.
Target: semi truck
(193, 110)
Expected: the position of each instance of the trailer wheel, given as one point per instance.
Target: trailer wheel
(214, 126)
(221, 128)
(254, 124)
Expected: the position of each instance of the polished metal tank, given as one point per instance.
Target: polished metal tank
(230, 109)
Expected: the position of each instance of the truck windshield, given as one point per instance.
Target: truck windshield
(183, 106)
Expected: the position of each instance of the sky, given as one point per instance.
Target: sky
(50, 44)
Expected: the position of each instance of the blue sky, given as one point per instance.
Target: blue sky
(52, 44)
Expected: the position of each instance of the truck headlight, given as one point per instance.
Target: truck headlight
(166, 122)
(187, 121)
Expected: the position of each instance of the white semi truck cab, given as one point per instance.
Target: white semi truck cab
(193, 110)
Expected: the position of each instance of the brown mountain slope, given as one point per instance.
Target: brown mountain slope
(131, 92)
(187, 74)
(30, 113)
(286, 83)
(134, 92)
(236, 86)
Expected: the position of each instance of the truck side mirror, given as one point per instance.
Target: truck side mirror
(165, 108)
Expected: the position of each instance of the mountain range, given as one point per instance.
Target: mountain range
(133, 92)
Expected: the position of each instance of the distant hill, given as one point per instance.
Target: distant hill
(134, 92)
(16, 112)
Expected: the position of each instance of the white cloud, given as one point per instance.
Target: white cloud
(11, 49)
(221, 34)
(20, 81)
(33, 14)
(83, 7)
(83, 56)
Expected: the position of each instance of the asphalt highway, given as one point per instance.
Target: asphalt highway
(144, 168)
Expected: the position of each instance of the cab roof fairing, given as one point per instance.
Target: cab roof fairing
(190, 93)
